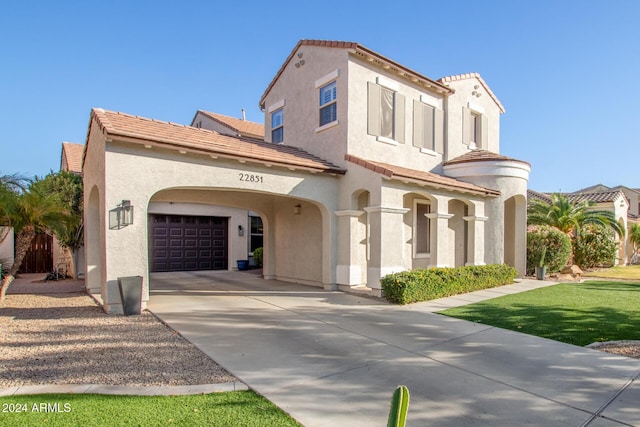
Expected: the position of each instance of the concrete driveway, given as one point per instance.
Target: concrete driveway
(333, 359)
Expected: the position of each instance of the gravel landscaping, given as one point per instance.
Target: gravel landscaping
(66, 338)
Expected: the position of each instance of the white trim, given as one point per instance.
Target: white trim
(436, 215)
(476, 108)
(475, 218)
(327, 78)
(386, 209)
(387, 140)
(429, 101)
(388, 83)
(275, 106)
(327, 126)
(428, 151)
(349, 212)
(349, 275)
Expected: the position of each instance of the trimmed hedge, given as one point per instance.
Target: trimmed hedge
(423, 285)
(595, 246)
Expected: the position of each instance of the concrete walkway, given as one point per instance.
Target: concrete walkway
(333, 359)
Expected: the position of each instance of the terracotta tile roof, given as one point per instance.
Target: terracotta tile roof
(145, 131)
(421, 177)
(72, 157)
(596, 197)
(481, 156)
(534, 195)
(364, 51)
(445, 80)
(238, 126)
(600, 197)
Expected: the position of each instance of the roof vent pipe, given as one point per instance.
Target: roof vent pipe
(244, 116)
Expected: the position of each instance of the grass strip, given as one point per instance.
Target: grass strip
(573, 313)
(240, 408)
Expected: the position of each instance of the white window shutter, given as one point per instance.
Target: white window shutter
(398, 119)
(466, 125)
(373, 113)
(418, 125)
(438, 131)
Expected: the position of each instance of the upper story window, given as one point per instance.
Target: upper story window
(474, 127)
(328, 104)
(386, 111)
(277, 126)
(428, 127)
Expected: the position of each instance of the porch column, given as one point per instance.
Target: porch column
(475, 242)
(350, 259)
(386, 237)
(441, 250)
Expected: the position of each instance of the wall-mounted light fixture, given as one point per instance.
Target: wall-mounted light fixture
(240, 231)
(121, 216)
(297, 209)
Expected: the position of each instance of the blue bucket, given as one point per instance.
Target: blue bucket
(243, 264)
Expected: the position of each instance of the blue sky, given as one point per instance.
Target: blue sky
(566, 71)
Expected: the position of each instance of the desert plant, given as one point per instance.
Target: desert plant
(555, 244)
(399, 407)
(257, 256)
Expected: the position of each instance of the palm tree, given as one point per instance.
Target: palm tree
(569, 216)
(29, 212)
(634, 239)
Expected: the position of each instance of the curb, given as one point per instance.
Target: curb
(124, 390)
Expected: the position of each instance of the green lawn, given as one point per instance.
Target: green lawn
(241, 408)
(627, 272)
(574, 313)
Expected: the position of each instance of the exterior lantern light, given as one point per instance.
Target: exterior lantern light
(121, 216)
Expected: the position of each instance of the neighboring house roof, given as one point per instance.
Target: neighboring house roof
(151, 132)
(597, 197)
(421, 177)
(531, 195)
(71, 157)
(593, 189)
(466, 76)
(372, 56)
(238, 127)
(481, 156)
(600, 197)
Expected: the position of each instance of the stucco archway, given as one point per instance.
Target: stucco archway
(295, 229)
(94, 249)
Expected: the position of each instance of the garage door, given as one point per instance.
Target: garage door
(188, 243)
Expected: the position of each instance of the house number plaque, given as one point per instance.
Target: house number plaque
(250, 178)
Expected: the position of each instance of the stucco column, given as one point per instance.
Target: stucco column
(386, 237)
(349, 268)
(475, 242)
(440, 248)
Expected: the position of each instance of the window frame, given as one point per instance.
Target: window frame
(328, 105)
(279, 128)
(416, 232)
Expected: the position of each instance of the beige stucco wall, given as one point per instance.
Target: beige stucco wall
(463, 97)
(296, 87)
(307, 239)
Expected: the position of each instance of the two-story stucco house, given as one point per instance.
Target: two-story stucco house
(367, 168)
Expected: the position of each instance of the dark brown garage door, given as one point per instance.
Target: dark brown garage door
(188, 243)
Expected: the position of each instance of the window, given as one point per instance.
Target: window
(474, 128)
(256, 232)
(277, 126)
(328, 109)
(428, 127)
(386, 109)
(421, 232)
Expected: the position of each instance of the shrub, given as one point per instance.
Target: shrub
(594, 246)
(557, 253)
(423, 285)
(257, 256)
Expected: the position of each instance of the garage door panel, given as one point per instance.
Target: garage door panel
(182, 243)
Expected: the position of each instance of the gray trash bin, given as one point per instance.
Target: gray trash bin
(130, 294)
